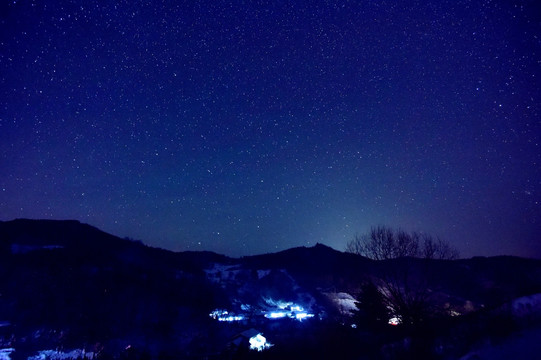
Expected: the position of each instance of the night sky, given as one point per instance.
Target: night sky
(248, 127)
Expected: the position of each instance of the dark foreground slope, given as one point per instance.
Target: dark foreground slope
(73, 284)
(66, 285)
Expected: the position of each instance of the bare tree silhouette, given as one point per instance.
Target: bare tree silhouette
(403, 281)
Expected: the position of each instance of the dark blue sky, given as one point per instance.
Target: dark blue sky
(249, 127)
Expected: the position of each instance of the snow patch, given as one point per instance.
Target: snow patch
(5, 354)
(262, 273)
(220, 273)
(24, 249)
(60, 355)
(527, 306)
(344, 302)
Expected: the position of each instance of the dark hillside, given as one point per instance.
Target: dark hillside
(64, 284)
(320, 265)
(95, 286)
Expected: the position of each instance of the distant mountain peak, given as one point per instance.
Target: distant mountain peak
(323, 247)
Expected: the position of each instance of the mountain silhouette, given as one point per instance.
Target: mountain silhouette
(64, 284)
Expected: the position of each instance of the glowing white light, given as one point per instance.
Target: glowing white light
(223, 315)
(276, 315)
(296, 308)
(303, 315)
(231, 318)
(283, 305)
(394, 321)
(218, 313)
(259, 343)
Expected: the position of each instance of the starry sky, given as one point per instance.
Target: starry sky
(246, 127)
